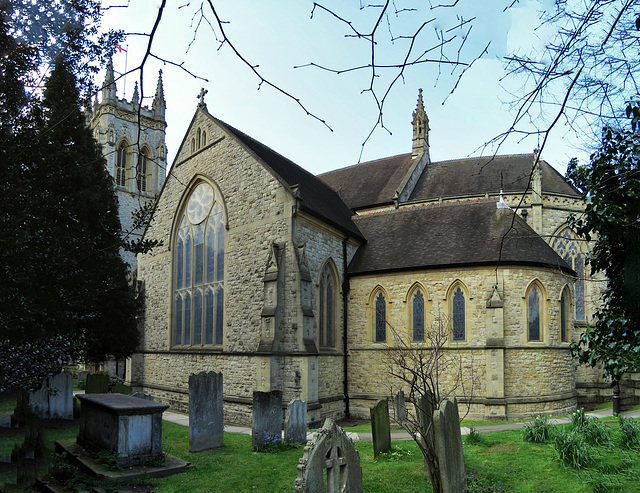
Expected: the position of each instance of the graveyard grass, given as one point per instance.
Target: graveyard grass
(500, 459)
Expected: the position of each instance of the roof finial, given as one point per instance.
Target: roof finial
(420, 129)
(202, 104)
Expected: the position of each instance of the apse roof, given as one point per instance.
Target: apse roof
(470, 233)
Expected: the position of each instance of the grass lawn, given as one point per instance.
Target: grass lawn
(500, 461)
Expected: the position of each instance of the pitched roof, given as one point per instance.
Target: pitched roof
(449, 235)
(480, 175)
(375, 182)
(371, 183)
(318, 199)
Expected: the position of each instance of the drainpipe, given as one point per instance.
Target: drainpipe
(345, 357)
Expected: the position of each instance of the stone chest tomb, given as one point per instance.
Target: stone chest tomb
(129, 426)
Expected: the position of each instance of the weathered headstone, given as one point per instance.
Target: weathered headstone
(296, 429)
(121, 388)
(54, 400)
(97, 383)
(448, 446)
(400, 406)
(206, 424)
(82, 376)
(267, 418)
(142, 395)
(330, 463)
(380, 427)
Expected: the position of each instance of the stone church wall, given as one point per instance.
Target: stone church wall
(257, 210)
(537, 376)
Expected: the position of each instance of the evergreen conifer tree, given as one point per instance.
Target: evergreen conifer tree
(64, 292)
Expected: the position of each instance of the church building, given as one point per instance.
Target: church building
(283, 280)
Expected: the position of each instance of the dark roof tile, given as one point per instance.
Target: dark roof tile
(449, 235)
(371, 183)
(317, 198)
(477, 176)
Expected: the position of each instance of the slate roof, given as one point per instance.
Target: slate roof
(449, 235)
(477, 176)
(375, 182)
(371, 183)
(318, 199)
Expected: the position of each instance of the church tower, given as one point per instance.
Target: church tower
(132, 137)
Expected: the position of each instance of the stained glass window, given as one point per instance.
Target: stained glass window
(459, 315)
(380, 318)
(417, 318)
(327, 307)
(141, 171)
(567, 245)
(199, 271)
(121, 165)
(564, 316)
(533, 313)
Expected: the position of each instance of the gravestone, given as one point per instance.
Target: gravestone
(55, 399)
(142, 395)
(121, 388)
(448, 447)
(424, 410)
(206, 424)
(330, 463)
(267, 418)
(380, 427)
(98, 383)
(400, 406)
(296, 429)
(82, 376)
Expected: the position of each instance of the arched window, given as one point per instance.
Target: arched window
(567, 244)
(565, 315)
(204, 138)
(328, 294)
(417, 315)
(458, 315)
(198, 140)
(380, 318)
(141, 170)
(193, 145)
(199, 270)
(121, 165)
(534, 311)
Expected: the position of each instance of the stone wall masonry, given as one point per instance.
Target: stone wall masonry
(530, 369)
(255, 204)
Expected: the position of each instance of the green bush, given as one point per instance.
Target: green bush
(572, 449)
(538, 431)
(596, 433)
(630, 433)
(579, 419)
(473, 438)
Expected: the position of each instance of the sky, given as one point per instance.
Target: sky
(281, 38)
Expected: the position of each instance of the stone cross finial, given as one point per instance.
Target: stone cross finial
(203, 91)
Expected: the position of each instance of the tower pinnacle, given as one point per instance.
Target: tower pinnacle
(109, 85)
(159, 104)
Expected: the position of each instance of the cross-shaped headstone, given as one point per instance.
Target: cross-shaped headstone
(203, 91)
(336, 466)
